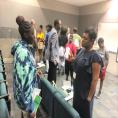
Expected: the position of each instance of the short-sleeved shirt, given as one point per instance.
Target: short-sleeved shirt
(40, 39)
(104, 55)
(41, 36)
(70, 51)
(83, 71)
(76, 40)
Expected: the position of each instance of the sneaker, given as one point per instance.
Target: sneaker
(98, 95)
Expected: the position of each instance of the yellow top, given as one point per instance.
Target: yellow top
(40, 36)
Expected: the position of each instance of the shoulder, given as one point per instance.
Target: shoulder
(96, 58)
(106, 50)
(53, 30)
(22, 53)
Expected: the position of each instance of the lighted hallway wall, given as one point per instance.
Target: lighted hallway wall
(113, 66)
(92, 15)
(43, 11)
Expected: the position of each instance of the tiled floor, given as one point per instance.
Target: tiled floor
(105, 107)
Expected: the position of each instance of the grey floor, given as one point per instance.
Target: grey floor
(105, 107)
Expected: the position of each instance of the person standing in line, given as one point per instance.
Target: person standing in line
(63, 39)
(87, 69)
(76, 38)
(105, 57)
(70, 55)
(35, 46)
(24, 70)
(34, 26)
(68, 32)
(53, 50)
(40, 41)
(48, 28)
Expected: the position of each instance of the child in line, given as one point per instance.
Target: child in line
(70, 55)
(105, 57)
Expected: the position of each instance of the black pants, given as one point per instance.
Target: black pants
(83, 107)
(52, 72)
(69, 68)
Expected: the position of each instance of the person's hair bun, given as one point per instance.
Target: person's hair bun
(20, 19)
(24, 26)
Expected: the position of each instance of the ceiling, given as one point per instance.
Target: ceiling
(81, 2)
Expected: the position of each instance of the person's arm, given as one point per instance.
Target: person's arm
(95, 76)
(106, 58)
(54, 47)
(43, 37)
(80, 43)
(74, 51)
(38, 39)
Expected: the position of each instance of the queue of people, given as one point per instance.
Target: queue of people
(63, 49)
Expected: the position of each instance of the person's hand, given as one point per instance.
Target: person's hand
(89, 99)
(55, 62)
(71, 59)
(32, 115)
(39, 72)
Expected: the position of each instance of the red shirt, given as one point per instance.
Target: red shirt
(73, 49)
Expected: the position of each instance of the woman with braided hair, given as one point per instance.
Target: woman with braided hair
(24, 68)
